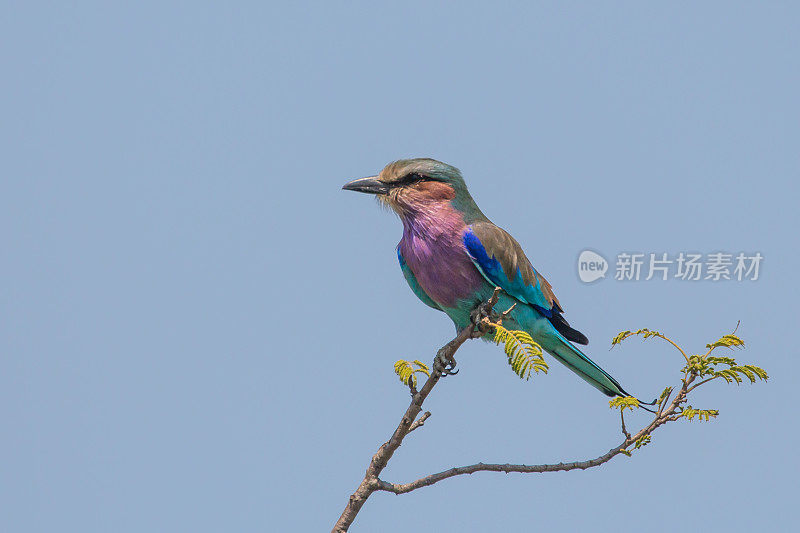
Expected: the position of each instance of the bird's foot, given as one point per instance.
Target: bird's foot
(480, 313)
(482, 318)
(445, 363)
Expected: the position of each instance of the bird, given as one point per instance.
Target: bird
(453, 257)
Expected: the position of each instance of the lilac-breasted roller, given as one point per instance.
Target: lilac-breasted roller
(453, 257)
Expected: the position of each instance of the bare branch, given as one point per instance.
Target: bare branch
(371, 481)
(402, 488)
(484, 318)
(660, 419)
(419, 422)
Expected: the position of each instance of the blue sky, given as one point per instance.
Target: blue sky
(198, 327)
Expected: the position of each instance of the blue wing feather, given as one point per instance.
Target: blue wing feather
(491, 268)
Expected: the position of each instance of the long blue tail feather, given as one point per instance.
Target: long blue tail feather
(571, 357)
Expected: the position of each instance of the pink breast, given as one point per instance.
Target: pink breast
(442, 267)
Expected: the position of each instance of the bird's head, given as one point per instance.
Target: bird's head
(412, 186)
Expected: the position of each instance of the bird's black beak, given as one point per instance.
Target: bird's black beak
(369, 185)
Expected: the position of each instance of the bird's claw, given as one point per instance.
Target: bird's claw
(445, 363)
(449, 372)
(479, 316)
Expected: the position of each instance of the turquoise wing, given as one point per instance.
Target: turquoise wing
(500, 259)
(503, 263)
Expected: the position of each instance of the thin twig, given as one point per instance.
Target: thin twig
(701, 383)
(676, 347)
(507, 312)
(419, 422)
(622, 419)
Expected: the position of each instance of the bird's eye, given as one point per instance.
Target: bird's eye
(413, 177)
